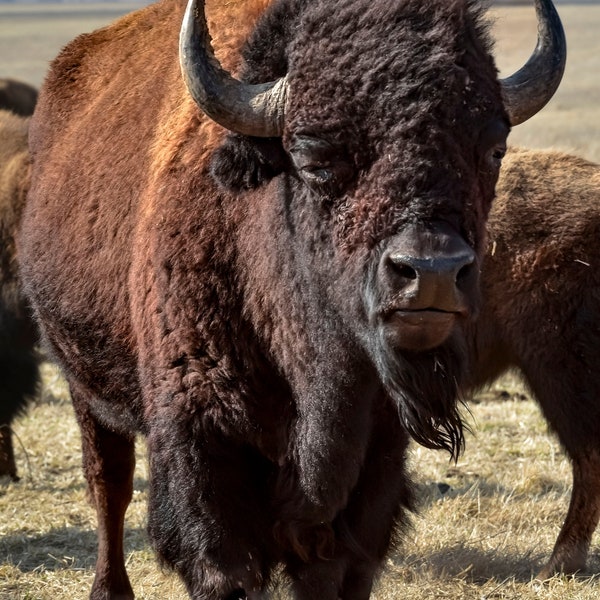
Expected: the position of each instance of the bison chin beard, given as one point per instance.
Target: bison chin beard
(426, 388)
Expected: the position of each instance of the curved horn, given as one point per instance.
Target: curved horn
(256, 110)
(528, 90)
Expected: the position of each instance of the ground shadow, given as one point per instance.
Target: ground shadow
(473, 564)
(61, 548)
(464, 560)
(430, 492)
(37, 485)
(479, 567)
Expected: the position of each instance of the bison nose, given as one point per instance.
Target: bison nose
(427, 281)
(429, 268)
(433, 281)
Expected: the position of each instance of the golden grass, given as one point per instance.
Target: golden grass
(47, 528)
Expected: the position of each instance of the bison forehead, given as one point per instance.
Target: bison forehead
(367, 65)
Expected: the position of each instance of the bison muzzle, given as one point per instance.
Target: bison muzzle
(427, 280)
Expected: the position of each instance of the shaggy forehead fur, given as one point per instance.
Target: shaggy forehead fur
(348, 61)
(358, 59)
(403, 89)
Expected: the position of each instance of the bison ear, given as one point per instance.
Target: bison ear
(245, 163)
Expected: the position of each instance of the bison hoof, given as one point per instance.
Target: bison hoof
(569, 566)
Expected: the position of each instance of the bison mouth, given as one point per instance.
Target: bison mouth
(418, 330)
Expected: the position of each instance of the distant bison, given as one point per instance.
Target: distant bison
(18, 359)
(17, 96)
(541, 313)
(277, 308)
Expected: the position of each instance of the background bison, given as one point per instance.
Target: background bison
(275, 309)
(18, 359)
(541, 313)
(17, 96)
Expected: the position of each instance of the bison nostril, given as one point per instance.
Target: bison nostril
(464, 272)
(404, 270)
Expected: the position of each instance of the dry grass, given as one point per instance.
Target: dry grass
(503, 502)
(47, 528)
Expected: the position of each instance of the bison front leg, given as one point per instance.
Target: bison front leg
(573, 542)
(311, 489)
(108, 463)
(364, 528)
(378, 505)
(330, 440)
(7, 456)
(209, 515)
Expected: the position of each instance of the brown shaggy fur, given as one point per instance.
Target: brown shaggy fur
(18, 363)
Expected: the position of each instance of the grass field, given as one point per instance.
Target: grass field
(503, 502)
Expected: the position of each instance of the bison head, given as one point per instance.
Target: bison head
(384, 124)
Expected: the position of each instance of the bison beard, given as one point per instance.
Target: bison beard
(425, 388)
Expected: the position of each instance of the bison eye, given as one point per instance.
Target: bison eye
(498, 153)
(320, 164)
(318, 174)
(492, 160)
(491, 145)
(329, 179)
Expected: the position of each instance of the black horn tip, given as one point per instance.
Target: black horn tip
(528, 90)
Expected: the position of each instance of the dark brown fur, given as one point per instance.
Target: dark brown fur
(18, 359)
(197, 288)
(541, 313)
(17, 96)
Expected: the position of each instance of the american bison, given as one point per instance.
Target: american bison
(276, 307)
(17, 96)
(541, 313)
(18, 357)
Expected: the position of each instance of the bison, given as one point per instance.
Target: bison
(540, 313)
(17, 96)
(18, 334)
(18, 362)
(271, 277)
